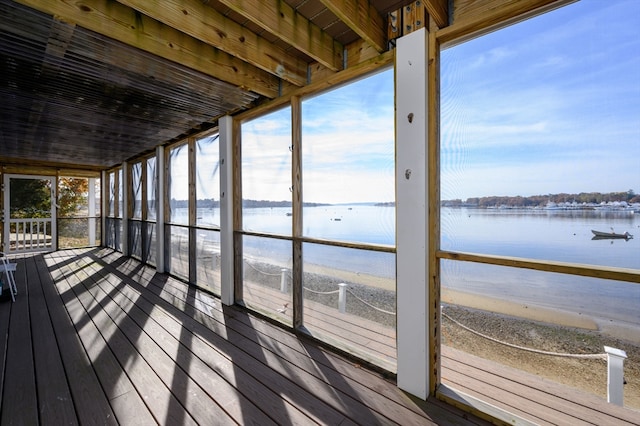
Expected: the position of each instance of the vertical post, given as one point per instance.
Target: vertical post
(283, 280)
(296, 200)
(192, 239)
(6, 229)
(92, 211)
(342, 298)
(54, 214)
(227, 293)
(160, 197)
(615, 375)
(412, 240)
(126, 194)
(104, 207)
(433, 202)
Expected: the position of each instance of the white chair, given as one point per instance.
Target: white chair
(9, 268)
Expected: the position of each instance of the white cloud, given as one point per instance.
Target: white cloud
(604, 171)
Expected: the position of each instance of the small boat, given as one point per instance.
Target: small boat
(611, 234)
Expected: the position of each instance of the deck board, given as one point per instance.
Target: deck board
(207, 363)
(19, 390)
(528, 396)
(101, 338)
(89, 398)
(302, 389)
(54, 397)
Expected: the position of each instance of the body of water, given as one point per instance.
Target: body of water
(554, 235)
(559, 235)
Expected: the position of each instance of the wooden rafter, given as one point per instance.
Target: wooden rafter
(439, 12)
(206, 24)
(124, 24)
(282, 20)
(362, 18)
(470, 17)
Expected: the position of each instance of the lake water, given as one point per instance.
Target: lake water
(555, 235)
(538, 234)
(560, 235)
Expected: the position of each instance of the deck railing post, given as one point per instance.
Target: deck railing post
(342, 298)
(283, 280)
(615, 375)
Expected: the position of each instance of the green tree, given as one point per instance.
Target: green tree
(30, 198)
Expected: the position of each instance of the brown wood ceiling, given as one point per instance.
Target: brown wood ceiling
(97, 82)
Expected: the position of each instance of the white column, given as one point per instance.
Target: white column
(227, 295)
(54, 213)
(92, 211)
(412, 213)
(160, 196)
(104, 207)
(126, 186)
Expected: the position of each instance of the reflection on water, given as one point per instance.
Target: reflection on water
(538, 234)
(606, 299)
(548, 235)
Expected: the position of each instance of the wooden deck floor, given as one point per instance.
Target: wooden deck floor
(517, 397)
(97, 338)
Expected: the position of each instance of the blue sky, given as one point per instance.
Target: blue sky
(348, 146)
(549, 105)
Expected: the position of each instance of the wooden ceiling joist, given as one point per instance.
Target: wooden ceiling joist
(363, 19)
(439, 11)
(126, 25)
(281, 20)
(470, 17)
(207, 25)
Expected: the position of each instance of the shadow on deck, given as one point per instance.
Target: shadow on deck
(95, 337)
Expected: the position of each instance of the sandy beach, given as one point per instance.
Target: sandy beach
(584, 374)
(526, 325)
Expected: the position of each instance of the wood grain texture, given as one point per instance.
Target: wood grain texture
(363, 18)
(140, 347)
(279, 18)
(122, 23)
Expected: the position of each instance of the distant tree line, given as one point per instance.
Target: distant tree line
(211, 203)
(542, 200)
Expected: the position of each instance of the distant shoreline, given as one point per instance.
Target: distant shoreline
(583, 199)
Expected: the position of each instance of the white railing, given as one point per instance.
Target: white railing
(30, 234)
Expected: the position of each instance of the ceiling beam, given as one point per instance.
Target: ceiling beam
(471, 17)
(204, 23)
(128, 26)
(363, 19)
(439, 11)
(281, 20)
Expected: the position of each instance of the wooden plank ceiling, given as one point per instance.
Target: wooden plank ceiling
(97, 82)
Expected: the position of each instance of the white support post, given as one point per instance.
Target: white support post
(615, 375)
(54, 214)
(126, 185)
(342, 298)
(227, 294)
(160, 196)
(92, 211)
(412, 213)
(104, 207)
(284, 287)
